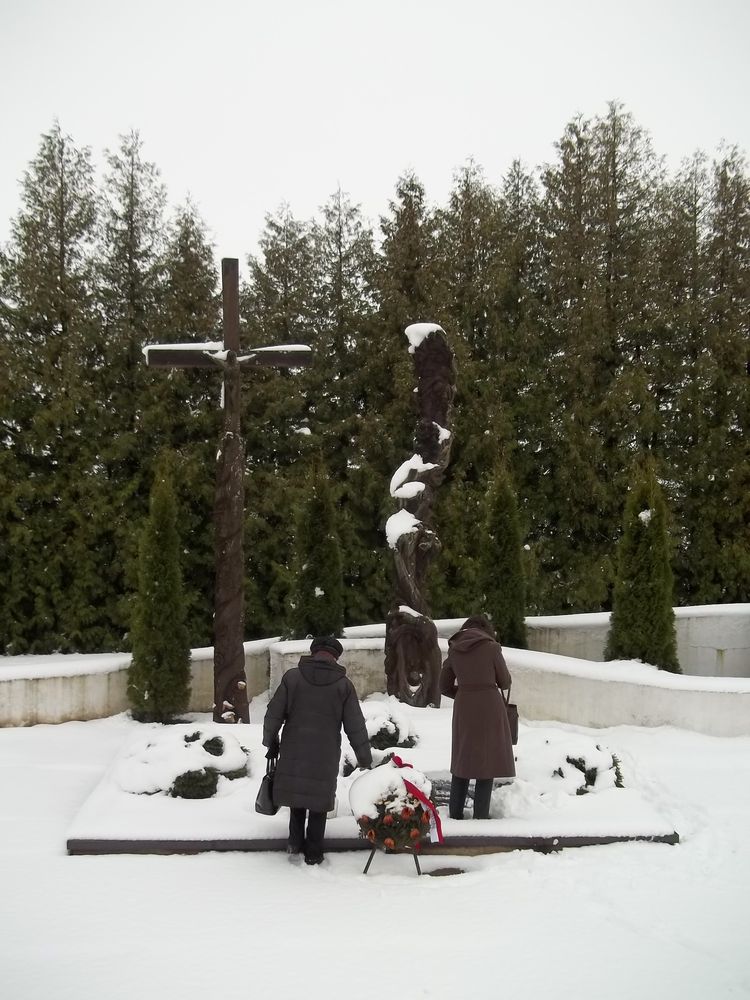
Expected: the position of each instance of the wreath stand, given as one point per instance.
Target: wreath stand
(387, 851)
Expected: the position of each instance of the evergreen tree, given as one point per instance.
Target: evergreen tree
(344, 311)
(642, 620)
(277, 304)
(181, 408)
(131, 281)
(488, 262)
(502, 566)
(680, 310)
(56, 569)
(599, 256)
(715, 563)
(405, 287)
(159, 674)
(468, 267)
(524, 360)
(570, 546)
(318, 605)
(342, 305)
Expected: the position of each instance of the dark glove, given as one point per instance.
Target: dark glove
(273, 750)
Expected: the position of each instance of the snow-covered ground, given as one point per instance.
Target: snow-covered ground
(622, 921)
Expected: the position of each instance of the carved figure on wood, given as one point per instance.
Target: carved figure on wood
(412, 660)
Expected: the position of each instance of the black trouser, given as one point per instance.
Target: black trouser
(312, 841)
(459, 791)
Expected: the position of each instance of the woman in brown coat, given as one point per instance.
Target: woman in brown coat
(473, 673)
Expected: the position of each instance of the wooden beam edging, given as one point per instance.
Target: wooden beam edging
(467, 846)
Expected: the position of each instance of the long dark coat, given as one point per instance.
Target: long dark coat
(473, 672)
(312, 702)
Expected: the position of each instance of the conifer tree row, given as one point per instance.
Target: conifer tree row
(597, 308)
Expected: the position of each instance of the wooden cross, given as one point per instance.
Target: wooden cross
(230, 682)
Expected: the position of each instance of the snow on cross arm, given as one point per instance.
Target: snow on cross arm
(277, 349)
(210, 347)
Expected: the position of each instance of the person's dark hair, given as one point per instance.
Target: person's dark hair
(326, 644)
(480, 622)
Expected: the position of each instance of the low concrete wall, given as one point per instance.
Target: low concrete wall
(59, 689)
(712, 641)
(548, 687)
(363, 659)
(100, 691)
(543, 692)
(31, 700)
(202, 674)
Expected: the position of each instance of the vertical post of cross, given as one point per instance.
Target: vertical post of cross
(230, 683)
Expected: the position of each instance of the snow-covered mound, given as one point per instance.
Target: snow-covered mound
(155, 764)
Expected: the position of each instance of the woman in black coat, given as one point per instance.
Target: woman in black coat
(312, 702)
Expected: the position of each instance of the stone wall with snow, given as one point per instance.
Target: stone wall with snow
(569, 688)
(58, 688)
(712, 641)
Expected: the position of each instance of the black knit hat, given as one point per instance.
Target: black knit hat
(326, 644)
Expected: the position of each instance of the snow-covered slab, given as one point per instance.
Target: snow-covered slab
(538, 810)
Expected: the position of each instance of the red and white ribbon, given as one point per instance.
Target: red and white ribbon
(436, 829)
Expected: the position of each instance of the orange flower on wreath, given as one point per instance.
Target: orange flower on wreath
(371, 835)
(415, 833)
(406, 812)
(364, 820)
(389, 842)
(388, 819)
(425, 818)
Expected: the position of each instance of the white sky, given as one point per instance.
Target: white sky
(244, 105)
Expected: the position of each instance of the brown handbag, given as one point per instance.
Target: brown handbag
(512, 712)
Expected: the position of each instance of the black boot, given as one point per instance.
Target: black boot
(316, 829)
(482, 796)
(459, 789)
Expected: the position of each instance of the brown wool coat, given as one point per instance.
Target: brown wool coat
(472, 674)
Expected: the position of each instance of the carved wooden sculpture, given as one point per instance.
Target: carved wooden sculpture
(412, 656)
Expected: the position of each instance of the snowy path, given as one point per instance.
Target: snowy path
(624, 921)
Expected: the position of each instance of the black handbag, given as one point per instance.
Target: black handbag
(264, 803)
(512, 712)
